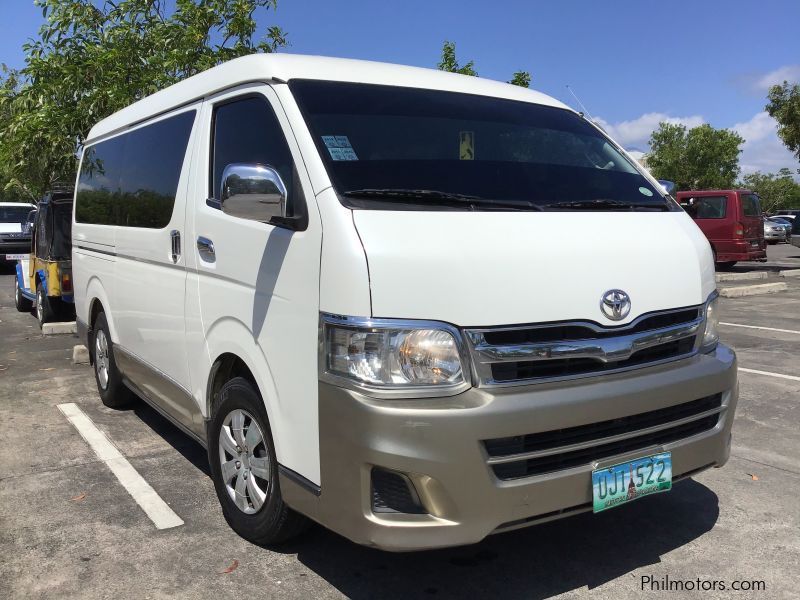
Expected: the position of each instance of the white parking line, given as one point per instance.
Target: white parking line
(159, 511)
(779, 375)
(757, 327)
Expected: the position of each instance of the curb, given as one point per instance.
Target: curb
(59, 328)
(742, 276)
(790, 273)
(80, 355)
(753, 290)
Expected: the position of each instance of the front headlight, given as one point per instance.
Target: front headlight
(388, 354)
(711, 334)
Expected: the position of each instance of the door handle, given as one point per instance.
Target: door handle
(206, 248)
(175, 240)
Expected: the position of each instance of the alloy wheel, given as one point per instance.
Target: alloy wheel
(244, 461)
(101, 360)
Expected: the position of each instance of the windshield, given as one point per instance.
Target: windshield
(14, 214)
(384, 145)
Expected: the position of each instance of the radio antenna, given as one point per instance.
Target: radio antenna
(580, 103)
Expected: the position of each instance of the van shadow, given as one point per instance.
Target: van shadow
(191, 450)
(541, 561)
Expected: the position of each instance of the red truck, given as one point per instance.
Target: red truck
(732, 222)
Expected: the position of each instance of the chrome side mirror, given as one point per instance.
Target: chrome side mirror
(668, 186)
(252, 191)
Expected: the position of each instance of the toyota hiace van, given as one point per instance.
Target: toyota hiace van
(416, 307)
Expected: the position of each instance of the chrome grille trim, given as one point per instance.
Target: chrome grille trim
(609, 348)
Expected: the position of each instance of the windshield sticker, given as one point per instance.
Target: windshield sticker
(339, 147)
(645, 191)
(466, 145)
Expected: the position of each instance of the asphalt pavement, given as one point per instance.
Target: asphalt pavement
(69, 529)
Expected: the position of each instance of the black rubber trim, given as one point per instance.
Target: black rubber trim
(299, 480)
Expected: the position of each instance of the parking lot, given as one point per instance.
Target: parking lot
(68, 528)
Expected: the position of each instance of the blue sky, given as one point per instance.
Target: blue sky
(633, 63)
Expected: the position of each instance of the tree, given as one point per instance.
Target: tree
(449, 63)
(784, 107)
(93, 58)
(777, 190)
(700, 158)
(521, 78)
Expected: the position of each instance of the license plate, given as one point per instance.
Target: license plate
(618, 484)
(16, 256)
(754, 244)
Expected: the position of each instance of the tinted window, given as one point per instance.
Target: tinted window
(706, 207)
(388, 140)
(751, 207)
(131, 180)
(247, 131)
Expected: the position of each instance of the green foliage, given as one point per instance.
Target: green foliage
(449, 63)
(784, 107)
(93, 58)
(777, 190)
(521, 78)
(700, 158)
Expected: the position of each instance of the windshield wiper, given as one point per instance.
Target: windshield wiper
(607, 204)
(439, 197)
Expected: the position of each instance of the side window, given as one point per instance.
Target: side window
(41, 231)
(706, 207)
(751, 207)
(246, 131)
(131, 180)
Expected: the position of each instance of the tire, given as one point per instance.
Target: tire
(258, 513)
(113, 392)
(724, 266)
(44, 308)
(22, 303)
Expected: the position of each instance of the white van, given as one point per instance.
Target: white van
(416, 307)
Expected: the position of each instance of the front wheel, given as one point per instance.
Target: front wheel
(22, 303)
(245, 470)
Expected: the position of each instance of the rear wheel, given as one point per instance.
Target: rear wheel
(22, 303)
(44, 308)
(245, 470)
(113, 392)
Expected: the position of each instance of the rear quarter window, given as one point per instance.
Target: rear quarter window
(131, 180)
(706, 207)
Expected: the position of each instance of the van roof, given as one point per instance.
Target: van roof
(284, 67)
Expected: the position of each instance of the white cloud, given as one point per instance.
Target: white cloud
(790, 73)
(636, 133)
(762, 149)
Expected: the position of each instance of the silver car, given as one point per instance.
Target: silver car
(777, 230)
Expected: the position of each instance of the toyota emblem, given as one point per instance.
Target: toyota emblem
(615, 304)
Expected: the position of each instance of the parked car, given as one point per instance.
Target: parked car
(443, 363)
(790, 213)
(777, 230)
(15, 235)
(732, 222)
(44, 276)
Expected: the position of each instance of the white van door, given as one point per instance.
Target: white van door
(150, 273)
(257, 284)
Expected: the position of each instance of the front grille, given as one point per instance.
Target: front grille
(545, 452)
(525, 354)
(513, 371)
